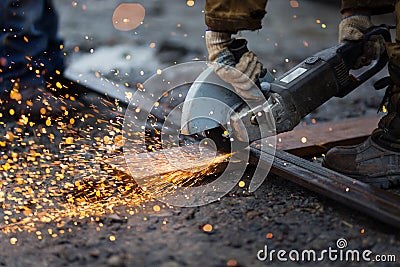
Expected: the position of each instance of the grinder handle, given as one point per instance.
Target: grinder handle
(350, 51)
(238, 47)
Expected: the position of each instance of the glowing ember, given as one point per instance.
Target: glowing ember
(231, 263)
(13, 240)
(51, 172)
(207, 228)
(156, 208)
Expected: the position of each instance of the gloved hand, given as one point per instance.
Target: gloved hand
(243, 75)
(352, 28)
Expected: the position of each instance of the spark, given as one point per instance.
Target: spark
(207, 228)
(46, 188)
(156, 208)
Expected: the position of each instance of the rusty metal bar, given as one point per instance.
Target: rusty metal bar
(377, 203)
(313, 140)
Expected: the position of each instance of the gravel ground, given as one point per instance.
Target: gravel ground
(62, 207)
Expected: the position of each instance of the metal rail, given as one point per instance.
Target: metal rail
(377, 203)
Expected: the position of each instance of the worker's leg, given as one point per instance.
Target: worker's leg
(234, 15)
(377, 160)
(29, 52)
(29, 48)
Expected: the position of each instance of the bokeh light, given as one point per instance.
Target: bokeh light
(128, 16)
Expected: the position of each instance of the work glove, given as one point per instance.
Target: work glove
(242, 75)
(352, 28)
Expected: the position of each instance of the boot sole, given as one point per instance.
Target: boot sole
(384, 182)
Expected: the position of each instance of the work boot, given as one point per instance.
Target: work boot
(369, 162)
(377, 160)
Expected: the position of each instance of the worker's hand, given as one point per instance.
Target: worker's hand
(243, 75)
(352, 28)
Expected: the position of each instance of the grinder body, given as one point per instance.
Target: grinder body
(305, 87)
